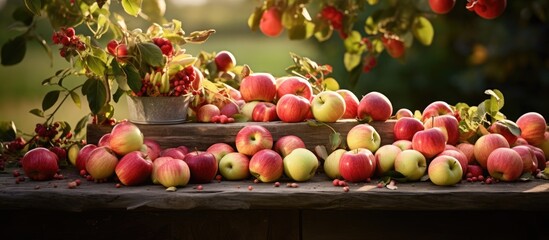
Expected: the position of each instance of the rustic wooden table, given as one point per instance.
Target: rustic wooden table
(314, 210)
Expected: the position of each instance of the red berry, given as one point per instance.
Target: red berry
(335, 182)
(16, 173)
(199, 187)
(395, 48)
(277, 184)
(488, 9)
(346, 189)
(250, 188)
(111, 47)
(70, 32)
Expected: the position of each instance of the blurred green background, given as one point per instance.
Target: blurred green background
(468, 55)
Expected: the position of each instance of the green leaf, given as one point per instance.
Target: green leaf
(497, 97)
(34, 6)
(255, 18)
(351, 60)
(154, 10)
(132, 7)
(301, 31)
(151, 54)
(8, 131)
(512, 126)
(117, 95)
(120, 76)
(353, 43)
(13, 51)
(23, 15)
(50, 99)
(423, 30)
(76, 99)
(96, 95)
(96, 65)
(134, 79)
(335, 140)
(37, 112)
(370, 26)
(81, 124)
(314, 123)
(323, 30)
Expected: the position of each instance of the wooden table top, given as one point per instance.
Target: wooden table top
(318, 193)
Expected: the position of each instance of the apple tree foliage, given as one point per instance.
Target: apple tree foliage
(105, 75)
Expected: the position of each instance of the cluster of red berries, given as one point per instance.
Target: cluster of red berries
(181, 82)
(335, 17)
(69, 41)
(165, 46)
(44, 131)
(222, 119)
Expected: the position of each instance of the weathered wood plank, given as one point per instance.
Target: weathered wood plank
(318, 193)
(202, 135)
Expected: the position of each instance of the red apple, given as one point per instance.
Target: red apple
(475, 170)
(264, 112)
(234, 166)
(486, 144)
(206, 112)
(219, 150)
(252, 138)
(224, 61)
(230, 109)
(104, 140)
(258, 87)
(203, 166)
(125, 137)
(134, 168)
(271, 22)
(467, 148)
(286, 144)
(403, 112)
(501, 128)
(357, 165)
(328, 106)
(449, 123)
(351, 103)
(458, 155)
(292, 108)
(294, 85)
(436, 108)
(540, 157)
(153, 148)
(157, 163)
(40, 164)
(266, 165)
(532, 127)
(374, 106)
(173, 173)
(429, 142)
(442, 6)
(406, 127)
(504, 164)
(101, 163)
(528, 156)
(83, 155)
(173, 152)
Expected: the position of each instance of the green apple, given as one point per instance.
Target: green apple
(363, 136)
(445, 170)
(412, 164)
(331, 164)
(300, 165)
(385, 158)
(248, 109)
(234, 166)
(328, 106)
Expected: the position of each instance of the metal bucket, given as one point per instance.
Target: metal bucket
(158, 110)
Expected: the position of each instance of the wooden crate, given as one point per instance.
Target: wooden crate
(201, 135)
